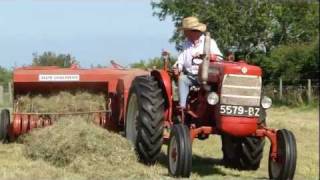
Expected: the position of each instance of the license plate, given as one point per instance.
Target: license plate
(236, 110)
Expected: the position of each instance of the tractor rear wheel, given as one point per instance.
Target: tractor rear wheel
(180, 151)
(284, 166)
(242, 153)
(144, 120)
(4, 124)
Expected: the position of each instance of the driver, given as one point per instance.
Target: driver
(189, 60)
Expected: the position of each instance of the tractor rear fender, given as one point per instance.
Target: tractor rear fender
(164, 80)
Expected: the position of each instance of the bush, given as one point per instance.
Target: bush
(293, 62)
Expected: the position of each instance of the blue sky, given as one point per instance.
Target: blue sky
(93, 31)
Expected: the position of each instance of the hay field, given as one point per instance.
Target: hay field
(16, 162)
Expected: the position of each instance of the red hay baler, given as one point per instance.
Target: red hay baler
(229, 102)
(114, 83)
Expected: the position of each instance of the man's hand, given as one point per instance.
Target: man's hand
(175, 71)
(196, 55)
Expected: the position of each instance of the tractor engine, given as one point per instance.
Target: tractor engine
(232, 98)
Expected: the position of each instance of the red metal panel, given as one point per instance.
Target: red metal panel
(218, 69)
(271, 134)
(24, 123)
(238, 126)
(16, 125)
(33, 122)
(103, 75)
(165, 80)
(235, 68)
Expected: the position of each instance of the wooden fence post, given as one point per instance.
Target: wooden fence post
(280, 88)
(1, 95)
(10, 93)
(309, 91)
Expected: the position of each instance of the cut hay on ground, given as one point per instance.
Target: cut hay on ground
(80, 147)
(63, 102)
(73, 147)
(14, 165)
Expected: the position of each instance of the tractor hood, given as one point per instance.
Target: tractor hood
(218, 69)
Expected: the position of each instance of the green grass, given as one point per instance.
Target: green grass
(303, 122)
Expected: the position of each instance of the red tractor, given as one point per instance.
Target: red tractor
(229, 103)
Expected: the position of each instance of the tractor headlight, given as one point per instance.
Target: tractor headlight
(266, 102)
(213, 98)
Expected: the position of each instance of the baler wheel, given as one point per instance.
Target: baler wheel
(4, 124)
(180, 151)
(144, 120)
(284, 166)
(242, 153)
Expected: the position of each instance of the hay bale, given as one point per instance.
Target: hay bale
(81, 147)
(62, 102)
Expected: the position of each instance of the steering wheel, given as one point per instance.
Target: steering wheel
(213, 57)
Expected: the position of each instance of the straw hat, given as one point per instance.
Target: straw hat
(192, 23)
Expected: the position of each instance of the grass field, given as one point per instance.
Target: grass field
(304, 122)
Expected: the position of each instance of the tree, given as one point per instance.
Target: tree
(295, 21)
(51, 59)
(152, 63)
(5, 76)
(247, 25)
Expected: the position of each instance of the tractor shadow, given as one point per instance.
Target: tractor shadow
(206, 166)
(203, 166)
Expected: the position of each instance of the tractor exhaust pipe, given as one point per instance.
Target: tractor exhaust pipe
(205, 64)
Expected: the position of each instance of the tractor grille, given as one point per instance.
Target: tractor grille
(242, 90)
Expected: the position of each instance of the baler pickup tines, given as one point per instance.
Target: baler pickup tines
(25, 122)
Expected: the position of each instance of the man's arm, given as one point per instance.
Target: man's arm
(214, 48)
(179, 63)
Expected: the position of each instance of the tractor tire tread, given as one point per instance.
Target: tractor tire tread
(246, 152)
(150, 118)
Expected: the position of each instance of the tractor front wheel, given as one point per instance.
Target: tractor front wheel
(144, 119)
(242, 153)
(180, 151)
(284, 165)
(4, 124)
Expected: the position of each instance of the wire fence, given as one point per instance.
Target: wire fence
(305, 91)
(281, 92)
